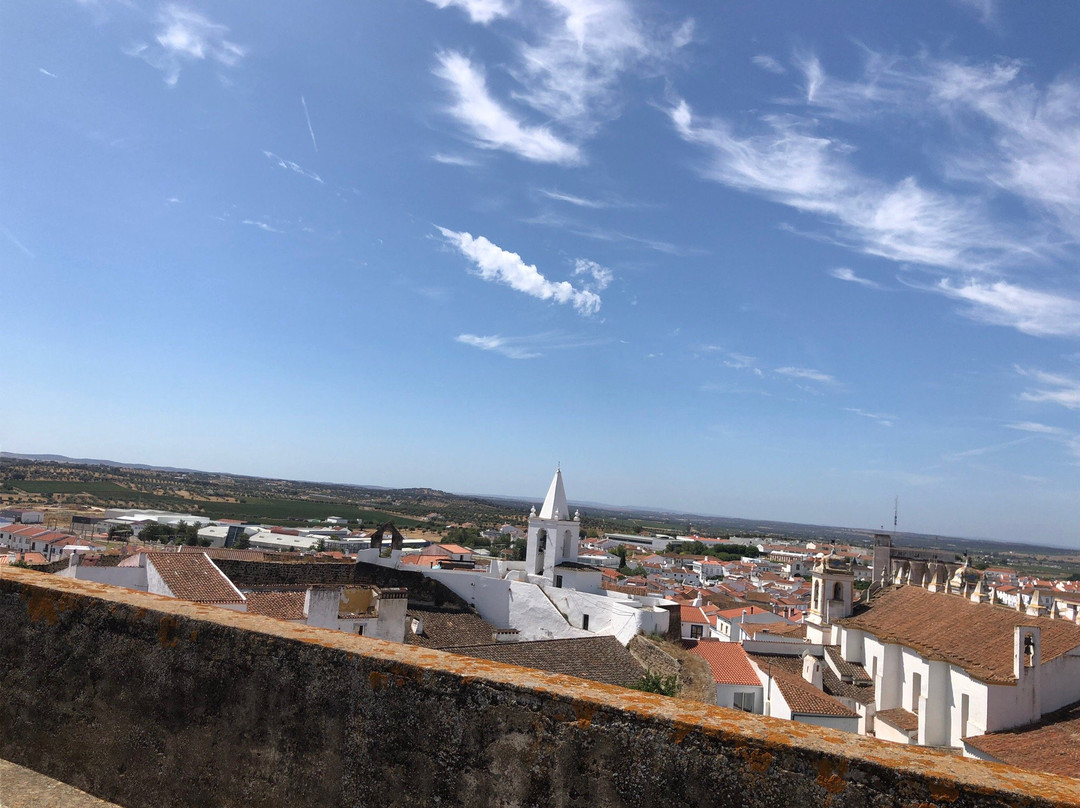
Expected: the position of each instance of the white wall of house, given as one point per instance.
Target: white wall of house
(725, 696)
(535, 616)
(128, 577)
(886, 732)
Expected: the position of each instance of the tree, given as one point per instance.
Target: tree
(520, 546)
(242, 542)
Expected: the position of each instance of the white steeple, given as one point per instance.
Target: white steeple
(555, 506)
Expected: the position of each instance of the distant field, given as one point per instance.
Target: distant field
(97, 489)
(296, 510)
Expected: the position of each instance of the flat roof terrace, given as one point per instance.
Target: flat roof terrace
(149, 701)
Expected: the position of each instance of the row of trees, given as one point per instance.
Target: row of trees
(180, 533)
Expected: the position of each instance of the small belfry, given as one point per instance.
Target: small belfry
(832, 593)
(553, 533)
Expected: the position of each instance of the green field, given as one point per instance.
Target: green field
(97, 489)
(294, 510)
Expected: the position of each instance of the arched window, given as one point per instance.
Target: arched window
(567, 544)
(815, 602)
(838, 592)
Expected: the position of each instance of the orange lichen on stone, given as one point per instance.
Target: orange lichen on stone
(377, 680)
(944, 792)
(168, 630)
(757, 760)
(831, 775)
(584, 712)
(41, 605)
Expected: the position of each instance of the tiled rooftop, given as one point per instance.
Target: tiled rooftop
(728, 662)
(900, 718)
(445, 629)
(1048, 745)
(977, 637)
(601, 659)
(282, 605)
(192, 576)
(800, 695)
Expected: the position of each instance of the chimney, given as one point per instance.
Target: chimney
(811, 671)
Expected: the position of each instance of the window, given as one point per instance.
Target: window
(838, 592)
(695, 632)
(558, 581)
(360, 630)
(743, 701)
(873, 672)
(965, 709)
(916, 691)
(585, 621)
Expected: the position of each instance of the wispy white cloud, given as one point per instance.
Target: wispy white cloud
(16, 242)
(807, 374)
(454, 160)
(491, 124)
(579, 201)
(985, 10)
(738, 361)
(845, 274)
(601, 275)
(1041, 314)
(498, 344)
(982, 450)
(572, 68)
(496, 264)
(173, 200)
(289, 165)
(261, 225)
(769, 63)
(45, 72)
(612, 236)
(307, 118)
(186, 36)
(1038, 429)
(479, 11)
(528, 347)
(786, 162)
(884, 420)
(1053, 388)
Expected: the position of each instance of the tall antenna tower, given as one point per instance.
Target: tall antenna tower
(895, 512)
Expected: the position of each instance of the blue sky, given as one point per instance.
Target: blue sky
(779, 261)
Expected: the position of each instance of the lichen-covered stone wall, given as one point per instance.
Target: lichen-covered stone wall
(147, 701)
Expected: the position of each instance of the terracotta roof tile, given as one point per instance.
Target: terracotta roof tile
(1049, 745)
(601, 659)
(447, 629)
(282, 605)
(728, 662)
(193, 576)
(801, 696)
(977, 637)
(900, 718)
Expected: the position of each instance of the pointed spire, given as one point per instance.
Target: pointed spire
(555, 505)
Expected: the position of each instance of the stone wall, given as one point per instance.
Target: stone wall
(148, 701)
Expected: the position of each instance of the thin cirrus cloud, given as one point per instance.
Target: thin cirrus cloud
(570, 65)
(186, 37)
(807, 374)
(1041, 314)
(769, 64)
(492, 125)
(1007, 132)
(1052, 388)
(1006, 136)
(479, 11)
(884, 420)
(1038, 429)
(501, 266)
(289, 165)
(845, 274)
(789, 164)
(526, 347)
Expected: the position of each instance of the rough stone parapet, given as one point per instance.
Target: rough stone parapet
(149, 701)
